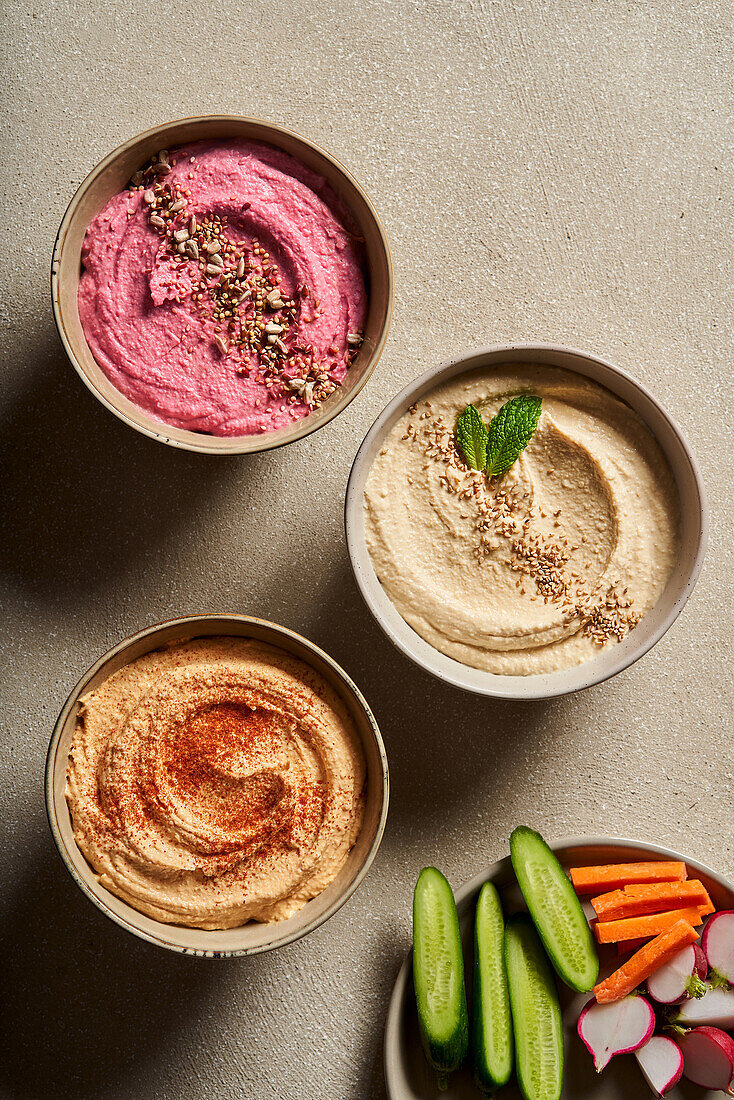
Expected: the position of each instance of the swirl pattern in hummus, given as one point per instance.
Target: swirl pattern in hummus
(215, 782)
(539, 570)
(146, 310)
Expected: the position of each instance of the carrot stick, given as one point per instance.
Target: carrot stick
(636, 928)
(645, 962)
(655, 897)
(610, 876)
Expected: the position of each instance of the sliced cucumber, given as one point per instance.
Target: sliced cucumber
(536, 1013)
(492, 1047)
(438, 974)
(555, 909)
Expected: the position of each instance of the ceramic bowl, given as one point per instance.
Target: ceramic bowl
(693, 533)
(251, 938)
(407, 1074)
(110, 177)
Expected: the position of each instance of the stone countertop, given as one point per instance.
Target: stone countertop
(545, 172)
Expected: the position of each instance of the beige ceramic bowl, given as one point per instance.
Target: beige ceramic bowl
(113, 173)
(250, 938)
(407, 1074)
(614, 659)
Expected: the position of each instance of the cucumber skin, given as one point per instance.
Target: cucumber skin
(489, 1075)
(574, 980)
(522, 930)
(444, 1055)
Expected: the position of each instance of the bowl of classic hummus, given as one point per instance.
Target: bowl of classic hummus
(217, 785)
(223, 285)
(552, 577)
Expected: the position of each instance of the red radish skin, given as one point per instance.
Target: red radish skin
(715, 1008)
(616, 1028)
(708, 1058)
(717, 942)
(681, 977)
(661, 1062)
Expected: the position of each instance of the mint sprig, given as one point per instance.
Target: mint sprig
(498, 447)
(471, 435)
(510, 431)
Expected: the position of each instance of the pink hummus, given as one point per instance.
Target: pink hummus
(223, 291)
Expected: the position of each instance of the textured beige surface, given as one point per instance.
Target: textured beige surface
(545, 171)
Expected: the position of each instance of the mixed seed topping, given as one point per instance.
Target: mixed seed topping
(505, 522)
(240, 289)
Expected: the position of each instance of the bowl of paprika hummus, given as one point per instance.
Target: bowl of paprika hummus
(556, 572)
(217, 785)
(222, 285)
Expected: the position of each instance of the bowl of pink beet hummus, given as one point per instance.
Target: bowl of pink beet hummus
(222, 285)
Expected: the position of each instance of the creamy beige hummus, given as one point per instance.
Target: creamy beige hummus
(538, 570)
(215, 782)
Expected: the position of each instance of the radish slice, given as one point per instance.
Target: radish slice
(716, 1008)
(708, 1058)
(718, 946)
(680, 977)
(616, 1028)
(661, 1062)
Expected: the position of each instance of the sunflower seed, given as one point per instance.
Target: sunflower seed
(221, 344)
(191, 249)
(137, 179)
(216, 261)
(272, 327)
(240, 269)
(179, 205)
(161, 169)
(192, 225)
(181, 235)
(354, 338)
(157, 222)
(279, 344)
(212, 247)
(212, 269)
(162, 154)
(180, 248)
(149, 197)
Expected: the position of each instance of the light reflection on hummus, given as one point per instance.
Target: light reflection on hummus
(538, 570)
(215, 782)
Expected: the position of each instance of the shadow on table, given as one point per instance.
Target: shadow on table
(442, 743)
(447, 749)
(88, 1006)
(86, 498)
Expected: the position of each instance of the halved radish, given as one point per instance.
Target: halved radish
(616, 1028)
(708, 1058)
(661, 1062)
(718, 946)
(680, 977)
(716, 1008)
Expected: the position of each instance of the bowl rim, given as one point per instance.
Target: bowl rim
(393, 1048)
(500, 686)
(160, 939)
(192, 441)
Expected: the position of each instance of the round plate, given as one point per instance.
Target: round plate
(407, 1073)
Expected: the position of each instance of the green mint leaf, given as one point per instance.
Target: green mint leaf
(471, 436)
(510, 431)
